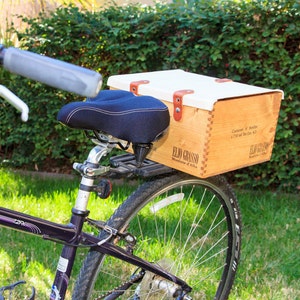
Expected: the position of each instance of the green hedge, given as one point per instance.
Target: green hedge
(255, 42)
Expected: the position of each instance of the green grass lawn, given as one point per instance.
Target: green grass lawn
(270, 264)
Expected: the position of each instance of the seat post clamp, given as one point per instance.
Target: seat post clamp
(178, 103)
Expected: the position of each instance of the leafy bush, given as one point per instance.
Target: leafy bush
(255, 42)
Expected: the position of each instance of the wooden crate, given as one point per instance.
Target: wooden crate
(217, 125)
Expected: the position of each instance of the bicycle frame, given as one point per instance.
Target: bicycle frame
(72, 236)
(86, 83)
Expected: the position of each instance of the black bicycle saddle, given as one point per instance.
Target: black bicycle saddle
(136, 119)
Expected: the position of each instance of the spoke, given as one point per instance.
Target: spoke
(200, 260)
(211, 257)
(205, 237)
(211, 248)
(209, 230)
(140, 227)
(212, 272)
(182, 212)
(194, 226)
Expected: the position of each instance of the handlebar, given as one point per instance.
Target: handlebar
(53, 72)
(15, 101)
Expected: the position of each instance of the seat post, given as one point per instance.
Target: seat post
(89, 170)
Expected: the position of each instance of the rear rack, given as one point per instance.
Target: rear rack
(125, 165)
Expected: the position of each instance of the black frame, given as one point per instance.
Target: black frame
(72, 236)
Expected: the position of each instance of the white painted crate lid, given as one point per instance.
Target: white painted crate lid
(207, 90)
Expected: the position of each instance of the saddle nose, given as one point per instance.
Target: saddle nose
(136, 119)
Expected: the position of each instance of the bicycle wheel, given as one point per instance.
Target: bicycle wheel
(190, 226)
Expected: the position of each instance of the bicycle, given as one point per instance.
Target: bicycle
(175, 237)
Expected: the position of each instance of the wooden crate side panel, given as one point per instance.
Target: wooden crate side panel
(238, 133)
(242, 134)
(184, 146)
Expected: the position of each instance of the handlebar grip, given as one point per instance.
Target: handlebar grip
(53, 72)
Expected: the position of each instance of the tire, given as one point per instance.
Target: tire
(193, 230)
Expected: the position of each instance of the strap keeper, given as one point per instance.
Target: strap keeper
(134, 85)
(178, 103)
